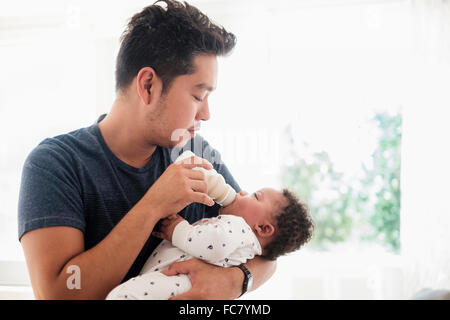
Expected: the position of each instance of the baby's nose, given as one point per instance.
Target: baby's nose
(243, 193)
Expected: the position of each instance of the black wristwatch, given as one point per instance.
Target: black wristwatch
(248, 279)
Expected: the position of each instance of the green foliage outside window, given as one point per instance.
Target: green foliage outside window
(367, 209)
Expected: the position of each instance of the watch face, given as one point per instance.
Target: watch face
(250, 283)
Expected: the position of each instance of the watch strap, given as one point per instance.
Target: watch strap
(247, 278)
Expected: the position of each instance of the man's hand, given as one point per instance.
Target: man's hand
(208, 281)
(176, 188)
(167, 226)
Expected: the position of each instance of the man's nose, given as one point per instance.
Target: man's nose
(203, 113)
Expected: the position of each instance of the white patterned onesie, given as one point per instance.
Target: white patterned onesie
(225, 241)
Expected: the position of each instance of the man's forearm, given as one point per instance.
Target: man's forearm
(261, 270)
(104, 266)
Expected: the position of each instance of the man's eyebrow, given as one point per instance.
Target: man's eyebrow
(204, 86)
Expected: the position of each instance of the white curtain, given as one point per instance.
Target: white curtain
(425, 216)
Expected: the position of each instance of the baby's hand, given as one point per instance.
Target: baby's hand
(167, 226)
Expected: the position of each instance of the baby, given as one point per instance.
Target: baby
(268, 222)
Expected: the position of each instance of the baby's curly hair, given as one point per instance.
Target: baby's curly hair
(294, 227)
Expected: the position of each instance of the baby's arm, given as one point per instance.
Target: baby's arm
(167, 226)
(213, 240)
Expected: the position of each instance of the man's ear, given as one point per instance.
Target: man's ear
(264, 229)
(144, 82)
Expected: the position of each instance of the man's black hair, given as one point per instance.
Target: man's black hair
(167, 38)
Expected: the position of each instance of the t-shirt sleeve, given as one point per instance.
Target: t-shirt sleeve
(50, 194)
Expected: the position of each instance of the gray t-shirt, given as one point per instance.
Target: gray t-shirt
(75, 180)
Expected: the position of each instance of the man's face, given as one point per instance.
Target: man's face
(185, 104)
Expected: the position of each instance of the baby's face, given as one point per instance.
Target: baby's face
(255, 207)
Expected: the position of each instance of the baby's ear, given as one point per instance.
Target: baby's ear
(266, 229)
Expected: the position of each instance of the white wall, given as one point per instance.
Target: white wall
(425, 216)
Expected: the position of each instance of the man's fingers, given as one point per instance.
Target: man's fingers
(202, 198)
(195, 174)
(193, 162)
(176, 268)
(199, 186)
(183, 267)
(206, 165)
(169, 272)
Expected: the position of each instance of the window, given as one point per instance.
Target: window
(318, 96)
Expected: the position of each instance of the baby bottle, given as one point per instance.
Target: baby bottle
(220, 191)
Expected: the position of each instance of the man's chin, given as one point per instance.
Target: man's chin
(179, 144)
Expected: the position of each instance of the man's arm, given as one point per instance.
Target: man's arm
(230, 279)
(227, 282)
(52, 251)
(261, 269)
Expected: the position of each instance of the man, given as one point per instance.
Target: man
(90, 199)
